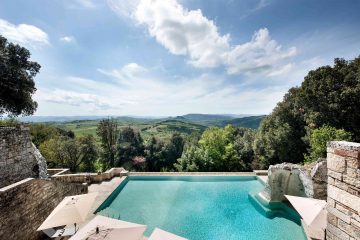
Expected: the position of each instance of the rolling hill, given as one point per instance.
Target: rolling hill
(246, 122)
(161, 128)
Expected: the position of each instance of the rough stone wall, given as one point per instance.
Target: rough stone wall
(25, 206)
(19, 158)
(343, 162)
(287, 178)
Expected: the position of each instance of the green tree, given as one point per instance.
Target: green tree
(219, 149)
(51, 149)
(279, 138)
(170, 152)
(129, 145)
(153, 154)
(318, 139)
(88, 153)
(9, 122)
(17, 84)
(43, 132)
(244, 147)
(330, 96)
(76, 154)
(108, 132)
(327, 96)
(190, 161)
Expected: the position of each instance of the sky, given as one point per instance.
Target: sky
(173, 57)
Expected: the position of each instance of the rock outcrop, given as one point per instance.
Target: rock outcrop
(287, 179)
(296, 180)
(319, 179)
(41, 162)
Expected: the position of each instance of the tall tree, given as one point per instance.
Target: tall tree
(318, 139)
(129, 145)
(88, 153)
(219, 149)
(43, 132)
(17, 84)
(77, 154)
(327, 96)
(152, 154)
(171, 151)
(108, 132)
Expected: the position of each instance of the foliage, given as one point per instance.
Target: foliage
(16, 79)
(318, 139)
(244, 147)
(153, 154)
(219, 149)
(327, 96)
(108, 132)
(170, 152)
(190, 160)
(77, 154)
(43, 132)
(162, 130)
(11, 122)
(279, 138)
(129, 145)
(88, 153)
(245, 122)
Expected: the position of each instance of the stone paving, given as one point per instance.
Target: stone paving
(104, 189)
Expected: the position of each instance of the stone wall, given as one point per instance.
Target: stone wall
(86, 177)
(19, 158)
(26, 204)
(343, 162)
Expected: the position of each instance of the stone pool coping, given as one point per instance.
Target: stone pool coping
(259, 174)
(192, 174)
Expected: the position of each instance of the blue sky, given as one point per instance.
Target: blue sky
(168, 57)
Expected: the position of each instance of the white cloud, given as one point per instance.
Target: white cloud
(72, 98)
(136, 91)
(67, 39)
(282, 70)
(23, 33)
(126, 73)
(260, 54)
(190, 33)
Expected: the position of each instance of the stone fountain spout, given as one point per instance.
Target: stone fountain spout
(296, 180)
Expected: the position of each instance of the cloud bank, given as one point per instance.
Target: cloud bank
(190, 33)
(135, 90)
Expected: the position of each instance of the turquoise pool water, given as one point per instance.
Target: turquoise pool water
(198, 208)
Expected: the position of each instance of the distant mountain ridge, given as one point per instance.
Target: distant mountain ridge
(241, 120)
(246, 122)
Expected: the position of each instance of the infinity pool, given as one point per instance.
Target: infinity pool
(199, 208)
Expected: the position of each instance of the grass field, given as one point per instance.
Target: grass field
(160, 129)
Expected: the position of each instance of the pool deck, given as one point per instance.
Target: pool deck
(104, 189)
